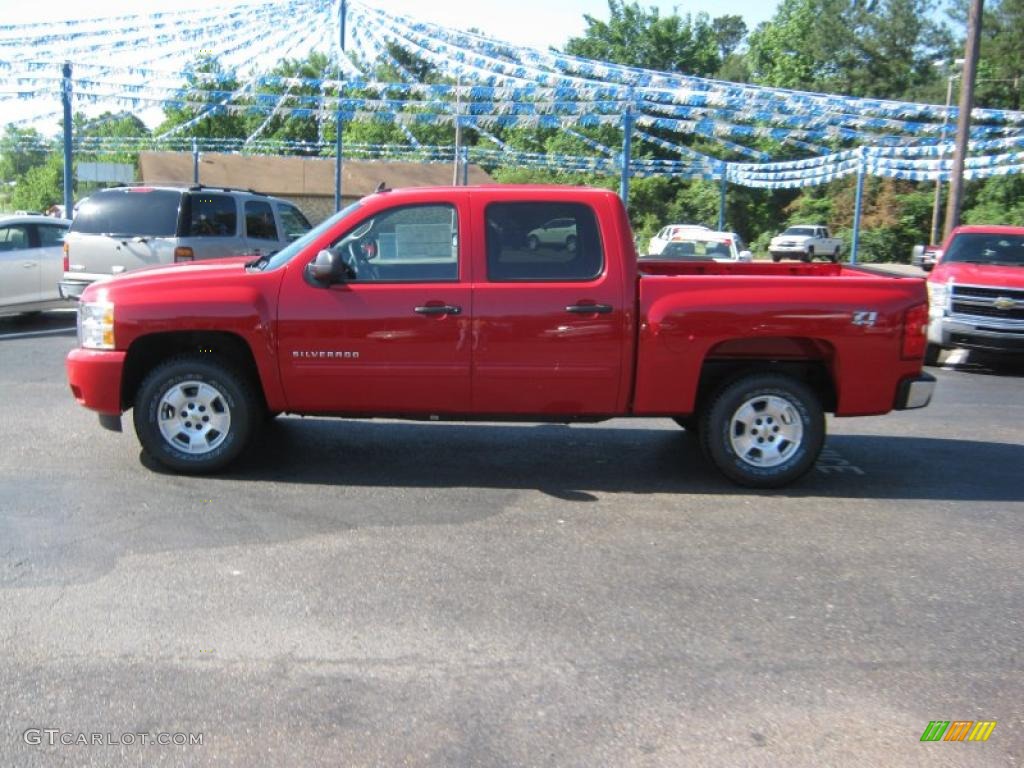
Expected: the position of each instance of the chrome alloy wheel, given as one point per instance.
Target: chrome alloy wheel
(194, 417)
(766, 430)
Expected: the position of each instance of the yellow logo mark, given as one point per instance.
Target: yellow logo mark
(982, 730)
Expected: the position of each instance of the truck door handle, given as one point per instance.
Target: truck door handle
(589, 309)
(438, 309)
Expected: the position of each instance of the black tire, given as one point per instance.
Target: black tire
(931, 354)
(209, 388)
(809, 256)
(729, 421)
(533, 242)
(776, 257)
(835, 256)
(570, 243)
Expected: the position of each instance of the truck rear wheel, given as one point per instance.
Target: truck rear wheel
(776, 257)
(194, 414)
(763, 430)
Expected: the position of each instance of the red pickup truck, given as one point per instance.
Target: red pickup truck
(977, 291)
(437, 304)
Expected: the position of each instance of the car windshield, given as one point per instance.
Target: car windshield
(801, 231)
(287, 253)
(986, 248)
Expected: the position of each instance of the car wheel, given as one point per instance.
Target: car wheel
(195, 415)
(533, 242)
(931, 354)
(776, 257)
(763, 430)
(570, 243)
(835, 256)
(809, 256)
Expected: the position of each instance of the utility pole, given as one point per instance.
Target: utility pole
(627, 149)
(458, 132)
(963, 124)
(69, 198)
(337, 120)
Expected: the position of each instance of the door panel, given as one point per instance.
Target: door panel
(387, 340)
(19, 266)
(539, 348)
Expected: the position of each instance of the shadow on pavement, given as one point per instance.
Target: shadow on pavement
(55, 323)
(575, 463)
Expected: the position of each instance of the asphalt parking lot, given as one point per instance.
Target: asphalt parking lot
(388, 593)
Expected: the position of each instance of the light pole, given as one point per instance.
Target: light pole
(937, 204)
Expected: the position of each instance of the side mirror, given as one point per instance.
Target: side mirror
(324, 268)
(746, 256)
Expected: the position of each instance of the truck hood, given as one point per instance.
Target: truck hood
(204, 272)
(995, 275)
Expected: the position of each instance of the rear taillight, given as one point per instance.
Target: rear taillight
(67, 260)
(181, 253)
(915, 332)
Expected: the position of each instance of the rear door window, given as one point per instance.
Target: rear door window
(132, 212)
(259, 220)
(543, 241)
(212, 215)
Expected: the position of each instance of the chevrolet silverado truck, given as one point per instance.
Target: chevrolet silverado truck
(431, 304)
(804, 242)
(976, 290)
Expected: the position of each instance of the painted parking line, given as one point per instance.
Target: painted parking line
(830, 462)
(30, 334)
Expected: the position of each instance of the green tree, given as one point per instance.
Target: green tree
(644, 38)
(20, 150)
(40, 186)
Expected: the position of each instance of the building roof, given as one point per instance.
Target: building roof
(295, 176)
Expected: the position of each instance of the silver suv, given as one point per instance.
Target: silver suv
(115, 230)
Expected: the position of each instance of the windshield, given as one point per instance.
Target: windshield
(808, 231)
(287, 253)
(986, 248)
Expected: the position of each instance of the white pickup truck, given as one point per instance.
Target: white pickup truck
(804, 242)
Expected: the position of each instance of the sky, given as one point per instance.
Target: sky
(535, 23)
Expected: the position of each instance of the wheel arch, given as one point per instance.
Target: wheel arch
(808, 360)
(150, 350)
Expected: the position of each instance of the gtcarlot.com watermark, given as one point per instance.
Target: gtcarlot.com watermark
(53, 737)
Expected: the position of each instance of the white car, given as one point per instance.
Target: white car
(31, 263)
(666, 235)
(804, 242)
(557, 232)
(702, 244)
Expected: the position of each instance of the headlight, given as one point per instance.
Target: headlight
(96, 325)
(938, 298)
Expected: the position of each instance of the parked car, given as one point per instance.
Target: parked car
(976, 292)
(805, 242)
(666, 234)
(124, 228)
(925, 256)
(557, 232)
(456, 323)
(703, 245)
(31, 260)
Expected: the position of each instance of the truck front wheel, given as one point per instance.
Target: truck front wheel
(809, 255)
(763, 430)
(194, 415)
